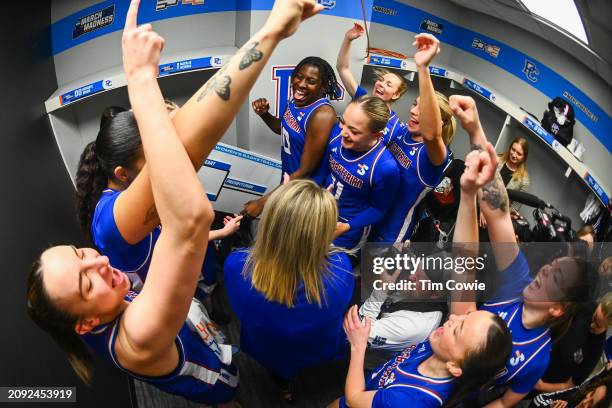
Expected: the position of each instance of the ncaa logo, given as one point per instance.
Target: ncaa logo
(328, 4)
(531, 71)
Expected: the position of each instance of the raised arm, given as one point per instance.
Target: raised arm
(155, 317)
(494, 203)
(343, 64)
(480, 168)
(430, 118)
(202, 121)
(261, 107)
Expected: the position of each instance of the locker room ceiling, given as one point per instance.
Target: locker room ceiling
(595, 16)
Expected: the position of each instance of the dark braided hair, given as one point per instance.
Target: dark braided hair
(331, 89)
(117, 144)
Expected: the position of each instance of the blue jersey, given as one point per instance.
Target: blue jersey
(364, 185)
(395, 126)
(418, 176)
(134, 260)
(293, 134)
(286, 340)
(204, 373)
(398, 383)
(530, 347)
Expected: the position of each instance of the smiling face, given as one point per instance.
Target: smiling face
(516, 155)
(460, 335)
(413, 123)
(387, 87)
(83, 283)
(553, 283)
(306, 85)
(356, 133)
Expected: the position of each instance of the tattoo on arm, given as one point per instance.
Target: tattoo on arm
(495, 195)
(250, 56)
(150, 215)
(220, 83)
(478, 147)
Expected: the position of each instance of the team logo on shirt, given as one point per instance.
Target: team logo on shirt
(517, 359)
(344, 174)
(399, 155)
(390, 368)
(390, 379)
(362, 168)
(503, 315)
(413, 150)
(290, 120)
(300, 116)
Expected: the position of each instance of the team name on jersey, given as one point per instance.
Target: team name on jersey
(290, 121)
(399, 155)
(388, 373)
(344, 174)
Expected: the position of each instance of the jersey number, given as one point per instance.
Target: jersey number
(337, 187)
(286, 140)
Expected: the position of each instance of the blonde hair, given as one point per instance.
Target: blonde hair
(449, 124)
(521, 172)
(376, 110)
(403, 86)
(293, 243)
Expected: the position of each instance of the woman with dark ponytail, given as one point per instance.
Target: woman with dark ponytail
(126, 230)
(77, 295)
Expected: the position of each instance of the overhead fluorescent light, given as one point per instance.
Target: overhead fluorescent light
(562, 13)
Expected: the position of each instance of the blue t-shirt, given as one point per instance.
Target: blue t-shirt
(364, 185)
(294, 123)
(398, 383)
(287, 340)
(394, 126)
(418, 176)
(134, 260)
(199, 376)
(530, 347)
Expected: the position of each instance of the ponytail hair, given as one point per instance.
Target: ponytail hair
(117, 144)
(480, 365)
(59, 324)
(449, 124)
(376, 110)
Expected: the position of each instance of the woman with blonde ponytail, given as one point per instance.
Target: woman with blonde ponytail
(421, 151)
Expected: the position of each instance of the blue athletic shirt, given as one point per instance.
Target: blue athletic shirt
(530, 347)
(364, 185)
(394, 127)
(201, 374)
(293, 134)
(398, 383)
(133, 260)
(288, 340)
(418, 176)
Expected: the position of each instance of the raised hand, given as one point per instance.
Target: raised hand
(286, 16)
(253, 208)
(428, 47)
(231, 225)
(464, 107)
(354, 32)
(480, 167)
(261, 106)
(356, 331)
(141, 46)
